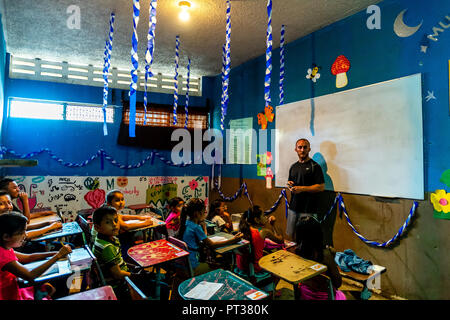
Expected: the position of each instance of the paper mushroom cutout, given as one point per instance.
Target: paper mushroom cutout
(339, 69)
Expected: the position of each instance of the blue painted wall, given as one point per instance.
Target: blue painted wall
(375, 56)
(2, 69)
(76, 141)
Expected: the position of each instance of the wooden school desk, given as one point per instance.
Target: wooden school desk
(219, 284)
(145, 208)
(102, 293)
(291, 267)
(228, 249)
(48, 218)
(61, 269)
(154, 254)
(148, 229)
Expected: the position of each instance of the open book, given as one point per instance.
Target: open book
(54, 268)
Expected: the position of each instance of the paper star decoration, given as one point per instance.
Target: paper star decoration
(430, 96)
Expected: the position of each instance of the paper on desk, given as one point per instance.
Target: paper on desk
(204, 290)
(217, 239)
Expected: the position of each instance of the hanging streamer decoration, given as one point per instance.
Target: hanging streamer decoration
(338, 200)
(374, 243)
(149, 52)
(243, 187)
(227, 68)
(282, 65)
(175, 78)
(100, 153)
(222, 98)
(187, 94)
(106, 66)
(268, 54)
(135, 65)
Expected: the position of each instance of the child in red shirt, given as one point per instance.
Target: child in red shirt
(12, 235)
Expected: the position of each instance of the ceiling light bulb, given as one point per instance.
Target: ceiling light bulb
(184, 15)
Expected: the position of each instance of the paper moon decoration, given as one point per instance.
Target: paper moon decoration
(401, 29)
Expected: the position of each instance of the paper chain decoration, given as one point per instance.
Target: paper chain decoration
(342, 208)
(149, 52)
(187, 93)
(227, 67)
(282, 65)
(106, 66)
(135, 65)
(175, 78)
(100, 153)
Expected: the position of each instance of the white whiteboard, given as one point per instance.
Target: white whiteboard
(368, 140)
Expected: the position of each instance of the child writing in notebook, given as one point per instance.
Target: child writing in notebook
(193, 233)
(173, 219)
(219, 216)
(309, 238)
(32, 231)
(12, 235)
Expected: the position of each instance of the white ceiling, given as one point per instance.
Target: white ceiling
(38, 29)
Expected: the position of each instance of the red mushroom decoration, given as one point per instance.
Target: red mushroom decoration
(339, 69)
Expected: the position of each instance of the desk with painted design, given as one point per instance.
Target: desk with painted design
(291, 267)
(233, 287)
(154, 254)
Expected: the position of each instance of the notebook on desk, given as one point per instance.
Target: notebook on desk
(79, 256)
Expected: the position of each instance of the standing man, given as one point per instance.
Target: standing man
(305, 182)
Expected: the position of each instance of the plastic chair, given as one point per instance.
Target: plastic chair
(86, 227)
(95, 278)
(186, 264)
(135, 292)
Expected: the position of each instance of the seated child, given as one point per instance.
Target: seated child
(115, 199)
(33, 231)
(218, 215)
(193, 233)
(309, 238)
(173, 219)
(252, 230)
(108, 252)
(12, 235)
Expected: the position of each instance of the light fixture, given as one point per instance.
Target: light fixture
(184, 14)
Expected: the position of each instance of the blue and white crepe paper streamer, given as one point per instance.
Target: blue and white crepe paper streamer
(282, 65)
(187, 93)
(268, 54)
(135, 65)
(175, 78)
(106, 66)
(149, 52)
(226, 77)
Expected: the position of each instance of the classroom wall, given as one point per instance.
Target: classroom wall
(77, 141)
(416, 263)
(2, 70)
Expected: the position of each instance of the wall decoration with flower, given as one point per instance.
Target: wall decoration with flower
(441, 199)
